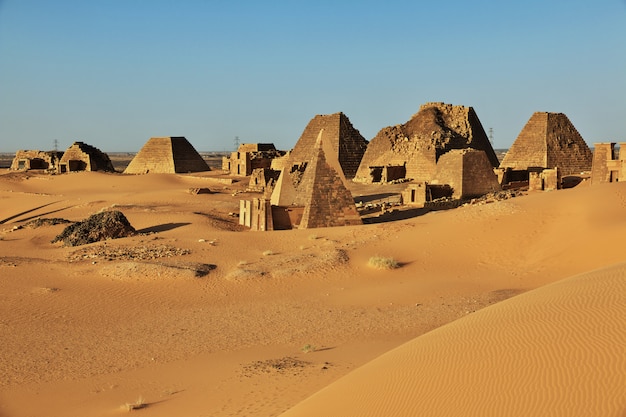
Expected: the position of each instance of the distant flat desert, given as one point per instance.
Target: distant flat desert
(514, 307)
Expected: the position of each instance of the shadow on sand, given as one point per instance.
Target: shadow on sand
(162, 227)
(396, 215)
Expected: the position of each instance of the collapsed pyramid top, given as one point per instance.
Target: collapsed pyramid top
(167, 155)
(434, 130)
(339, 136)
(549, 140)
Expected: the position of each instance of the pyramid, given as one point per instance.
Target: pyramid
(549, 140)
(83, 157)
(326, 200)
(417, 145)
(341, 139)
(167, 155)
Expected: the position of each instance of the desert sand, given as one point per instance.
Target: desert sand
(510, 308)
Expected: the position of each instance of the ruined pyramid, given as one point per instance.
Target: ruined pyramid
(417, 145)
(326, 200)
(340, 137)
(549, 140)
(167, 155)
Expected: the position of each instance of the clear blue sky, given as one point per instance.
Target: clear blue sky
(114, 73)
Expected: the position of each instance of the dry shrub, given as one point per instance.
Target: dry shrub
(380, 262)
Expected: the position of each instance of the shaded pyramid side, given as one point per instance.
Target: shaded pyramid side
(327, 202)
(186, 158)
(566, 147)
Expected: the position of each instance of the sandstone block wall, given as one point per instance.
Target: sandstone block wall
(607, 165)
(468, 172)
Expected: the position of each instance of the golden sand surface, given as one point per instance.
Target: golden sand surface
(510, 308)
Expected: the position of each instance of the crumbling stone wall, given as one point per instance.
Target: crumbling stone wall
(340, 138)
(83, 157)
(434, 130)
(250, 156)
(263, 179)
(35, 159)
(549, 140)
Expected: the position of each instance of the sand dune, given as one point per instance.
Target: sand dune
(558, 351)
(201, 318)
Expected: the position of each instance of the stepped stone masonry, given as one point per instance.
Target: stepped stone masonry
(411, 150)
(549, 140)
(167, 155)
(341, 142)
(83, 157)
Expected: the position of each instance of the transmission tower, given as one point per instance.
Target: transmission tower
(236, 142)
(491, 135)
(56, 145)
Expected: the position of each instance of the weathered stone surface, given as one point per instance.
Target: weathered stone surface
(549, 140)
(100, 226)
(417, 145)
(34, 159)
(250, 157)
(340, 139)
(83, 157)
(167, 155)
(326, 200)
(609, 163)
(468, 171)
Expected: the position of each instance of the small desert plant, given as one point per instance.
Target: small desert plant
(380, 262)
(308, 348)
(137, 405)
(268, 252)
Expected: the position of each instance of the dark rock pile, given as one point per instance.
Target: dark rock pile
(98, 227)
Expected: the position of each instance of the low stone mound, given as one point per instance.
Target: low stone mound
(98, 227)
(40, 222)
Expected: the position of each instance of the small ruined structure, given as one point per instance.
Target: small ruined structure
(167, 155)
(468, 172)
(411, 150)
(33, 159)
(83, 157)
(263, 179)
(250, 156)
(342, 142)
(318, 199)
(548, 140)
(545, 180)
(609, 163)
